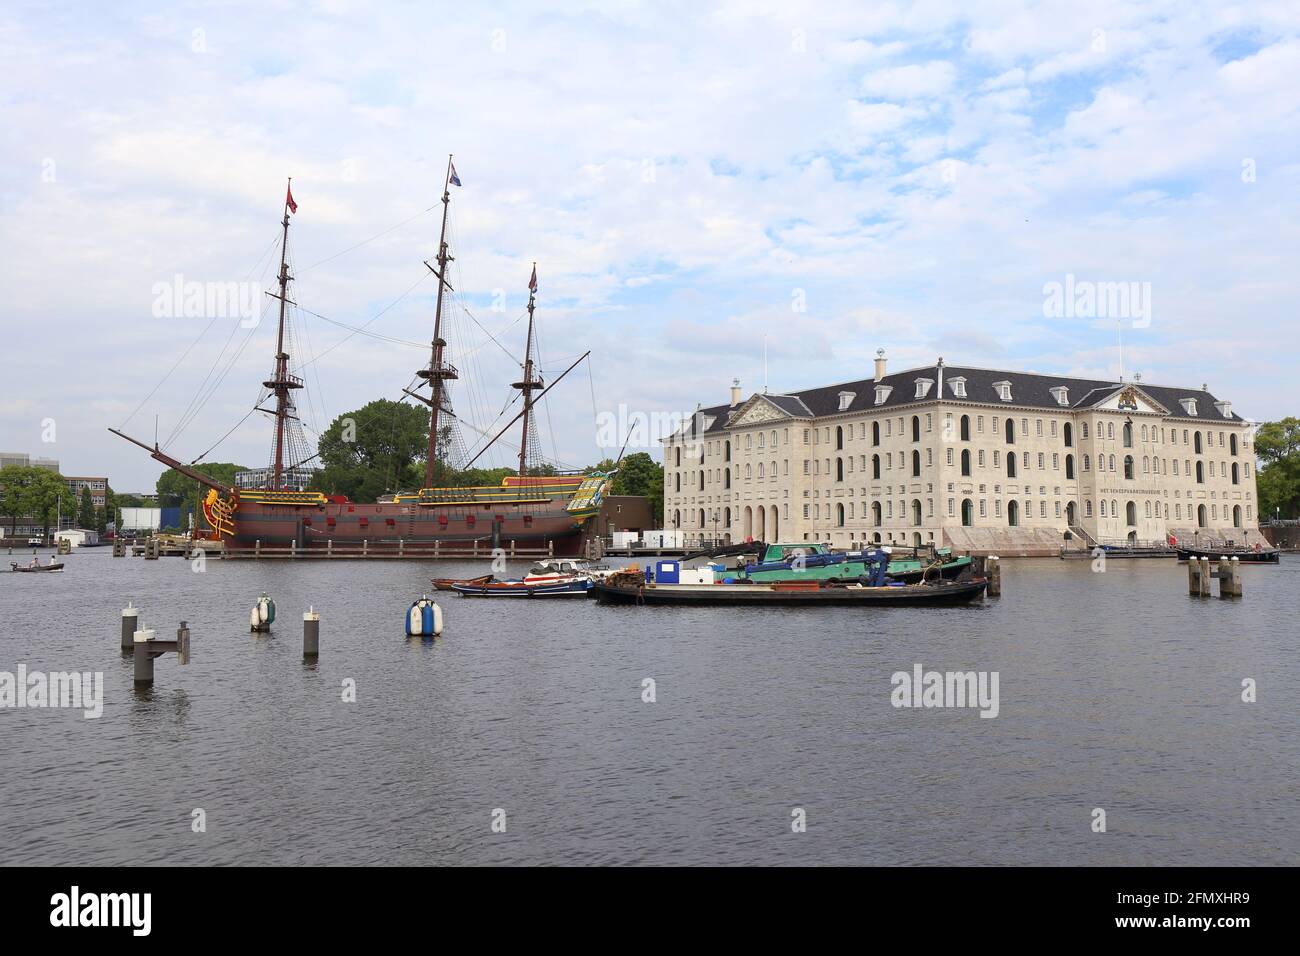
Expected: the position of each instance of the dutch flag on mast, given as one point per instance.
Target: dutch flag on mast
(532, 283)
(454, 180)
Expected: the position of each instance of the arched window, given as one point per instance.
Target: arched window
(1196, 442)
(678, 477)
(1200, 516)
(1236, 475)
(1069, 436)
(1070, 514)
(839, 469)
(726, 478)
(760, 469)
(839, 438)
(679, 456)
(1069, 467)
(839, 516)
(875, 467)
(916, 428)
(916, 464)
(1200, 472)
(1232, 443)
(1128, 434)
(965, 462)
(1128, 467)
(875, 513)
(1236, 516)
(916, 512)
(967, 512)
(1011, 466)
(875, 433)
(965, 428)
(677, 519)
(1011, 431)
(1013, 512)
(1131, 514)
(727, 450)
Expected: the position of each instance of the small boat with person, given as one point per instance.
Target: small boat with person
(36, 566)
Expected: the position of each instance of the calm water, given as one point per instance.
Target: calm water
(1117, 690)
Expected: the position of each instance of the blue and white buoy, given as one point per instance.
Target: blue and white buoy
(424, 619)
(262, 616)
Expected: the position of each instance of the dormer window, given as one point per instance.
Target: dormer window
(1225, 408)
(923, 386)
(1189, 405)
(1061, 394)
(846, 399)
(1003, 390)
(882, 393)
(958, 385)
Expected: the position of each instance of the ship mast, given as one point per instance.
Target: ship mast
(438, 370)
(529, 383)
(282, 382)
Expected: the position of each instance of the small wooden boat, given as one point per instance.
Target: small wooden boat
(1244, 555)
(792, 594)
(525, 589)
(446, 584)
(52, 566)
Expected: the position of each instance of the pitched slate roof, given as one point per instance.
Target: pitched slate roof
(1028, 390)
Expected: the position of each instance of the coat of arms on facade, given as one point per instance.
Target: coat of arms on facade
(1128, 399)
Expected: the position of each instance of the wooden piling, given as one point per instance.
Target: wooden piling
(1205, 577)
(1193, 577)
(994, 566)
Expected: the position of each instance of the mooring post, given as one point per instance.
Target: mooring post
(119, 549)
(146, 649)
(310, 633)
(329, 548)
(257, 548)
(401, 546)
(130, 618)
(364, 543)
(1205, 577)
(977, 565)
(995, 575)
(1193, 576)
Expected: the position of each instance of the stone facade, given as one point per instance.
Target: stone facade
(968, 458)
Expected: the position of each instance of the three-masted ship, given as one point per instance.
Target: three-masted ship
(530, 513)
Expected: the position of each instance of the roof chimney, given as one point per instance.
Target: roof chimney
(880, 364)
(735, 392)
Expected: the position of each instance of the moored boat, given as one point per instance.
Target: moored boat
(577, 587)
(1244, 555)
(791, 594)
(813, 561)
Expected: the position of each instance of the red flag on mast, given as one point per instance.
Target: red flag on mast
(288, 199)
(532, 283)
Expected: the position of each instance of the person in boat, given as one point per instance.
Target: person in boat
(36, 560)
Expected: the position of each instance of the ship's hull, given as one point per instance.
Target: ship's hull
(469, 528)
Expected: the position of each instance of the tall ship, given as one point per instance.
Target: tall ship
(526, 511)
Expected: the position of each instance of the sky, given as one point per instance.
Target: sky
(762, 191)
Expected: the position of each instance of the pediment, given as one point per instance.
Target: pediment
(1129, 398)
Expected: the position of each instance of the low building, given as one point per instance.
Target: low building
(975, 459)
(98, 489)
(293, 479)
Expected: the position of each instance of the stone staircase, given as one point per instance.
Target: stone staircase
(1008, 542)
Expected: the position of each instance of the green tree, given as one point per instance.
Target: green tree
(1277, 447)
(86, 510)
(30, 491)
(377, 449)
